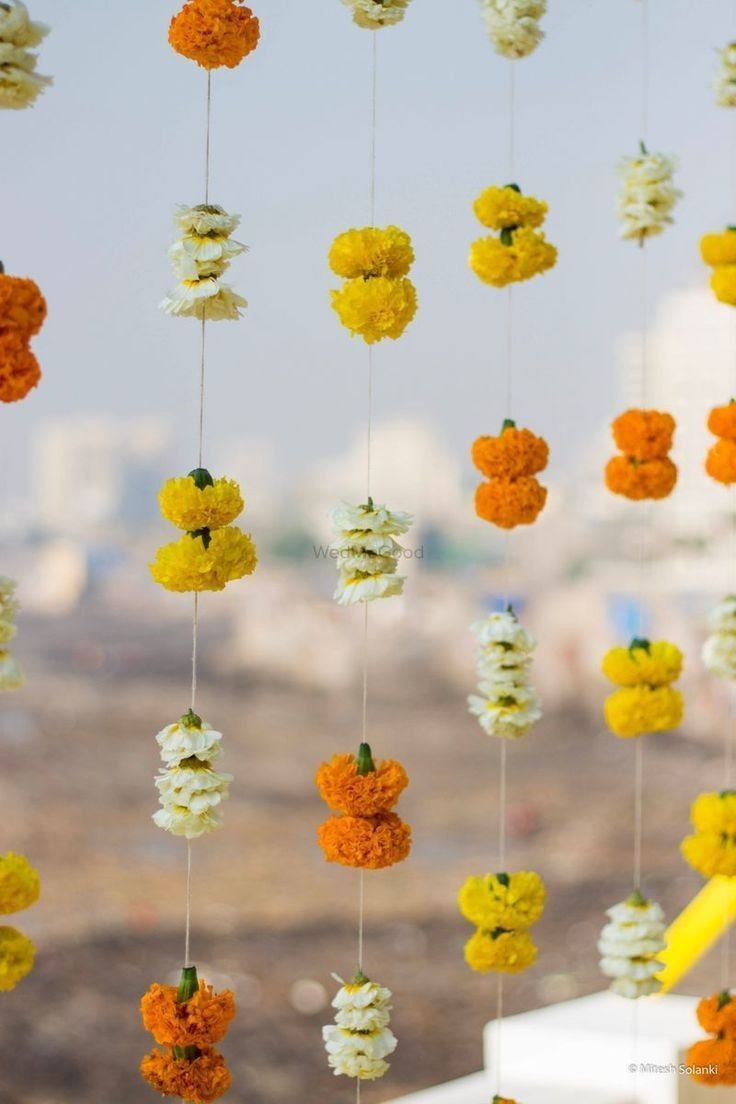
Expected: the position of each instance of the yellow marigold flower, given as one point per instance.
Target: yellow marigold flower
(20, 884)
(506, 209)
(372, 252)
(643, 664)
(528, 254)
(17, 955)
(719, 249)
(715, 812)
(710, 854)
(723, 283)
(503, 952)
(637, 710)
(376, 308)
(189, 507)
(187, 565)
(512, 901)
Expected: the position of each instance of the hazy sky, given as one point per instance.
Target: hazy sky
(91, 175)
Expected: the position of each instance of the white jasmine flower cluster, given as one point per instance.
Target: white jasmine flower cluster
(647, 195)
(367, 552)
(725, 82)
(513, 25)
(20, 84)
(11, 676)
(507, 705)
(360, 1040)
(374, 14)
(629, 944)
(190, 791)
(719, 650)
(199, 259)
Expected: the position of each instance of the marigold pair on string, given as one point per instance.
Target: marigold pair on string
(503, 907)
(520, 251)
(713, 1061)
(22, 314)
(20, 84)
(629, 945)
(376, 300)
(20, 889)
(711, 849)
(187, 1021)
(719, 253)
(507, 706)
(646, 700)
(720, 463)
(511, 462)
(644, 470)
(213, 552)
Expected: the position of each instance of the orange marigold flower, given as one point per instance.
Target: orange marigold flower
(360, 795)
(720, 463)
(644, 434)
(215, 32)
(717, 1014)
(722, 419)
(368, 842)
(200, 1021)
(510, 502)
(514, 453)
(718, 1053)
(19, 369)
(22, 306)
(200, 1081)
(635, 480)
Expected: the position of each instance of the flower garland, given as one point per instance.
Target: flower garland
(366, 834)
(187, 1021)
(725, 81)
(199, 258)
(719, 650)
(360, 1040)
(647, 195)
(214, 33)
(513, 496)
(646, 701)
(368, 552)
(374, 14)
(20, 84)
(507, 705)
(711, 850)
(520, 251)
(513, 25)
(376, 300)
(213, 553)
(629, 944)
(720, 463)
(20, 889)
(11, 675)
(22, 314)
(644, 471)
(502, 907)
(713, 1061)
(718, 251)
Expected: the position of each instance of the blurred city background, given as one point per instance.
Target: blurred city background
(106, 653)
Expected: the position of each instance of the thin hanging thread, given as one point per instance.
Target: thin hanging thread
(638, 808)
(728, 757)
(200, 453)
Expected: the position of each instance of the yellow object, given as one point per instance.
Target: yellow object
(723, 283)
(643, 664)
(189, 506)
(719, 249)
(376, 308)
(507, 209)
(696, 929)
(372, 252)
(510, 901)
(501, 952)
(20, 885)
(191, 564)
(527, 254)
(637, 710)
(17, 955)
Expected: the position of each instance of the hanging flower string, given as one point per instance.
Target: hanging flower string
(507, 705)
(720, 463)
(377, 299)
(367, 552)
(22, 314)
(644, 470)
(11, 675)
(645, 701)
(521, 250)
(513, 25)
(374, 14)
(20, 889)
(187, 1022)
(647, 196)
(629, 945)
(724, 84)
(503, 907)
(20, 84)
(719, 650)
(511, 462)
(360, 1040)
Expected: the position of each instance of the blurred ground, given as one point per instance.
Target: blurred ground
(270, 917)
